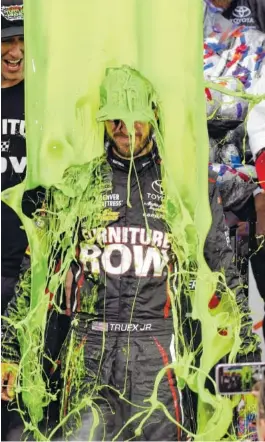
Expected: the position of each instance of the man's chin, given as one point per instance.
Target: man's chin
(123, 151)
(123, 148)
(16, 76)
(126, 152)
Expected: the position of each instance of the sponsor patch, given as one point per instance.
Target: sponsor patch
(120, 327)
(241, 12)
(13, 12)
(99, 326)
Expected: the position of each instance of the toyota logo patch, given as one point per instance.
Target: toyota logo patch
(157, 187)
(241, 12)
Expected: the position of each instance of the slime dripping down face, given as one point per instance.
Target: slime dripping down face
(128, 107)
(122, 141)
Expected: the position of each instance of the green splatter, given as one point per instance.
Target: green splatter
(246, 378)
(65, 144)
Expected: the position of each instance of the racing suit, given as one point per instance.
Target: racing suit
(249, 13)
(122, 331)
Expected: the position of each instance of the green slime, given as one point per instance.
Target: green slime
(66, 61)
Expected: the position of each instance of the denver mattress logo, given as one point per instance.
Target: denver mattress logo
(112, 200)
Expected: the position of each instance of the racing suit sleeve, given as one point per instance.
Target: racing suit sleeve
(219, 257)
(16, 310)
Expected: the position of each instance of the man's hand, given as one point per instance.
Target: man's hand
(260, 212)
(8, 380)
(242, 229)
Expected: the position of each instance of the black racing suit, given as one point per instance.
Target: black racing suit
(249, 13)
(122, 332)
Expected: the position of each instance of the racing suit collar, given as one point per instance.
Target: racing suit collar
(140, 163)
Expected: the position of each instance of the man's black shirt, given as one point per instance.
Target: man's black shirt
(13, 152)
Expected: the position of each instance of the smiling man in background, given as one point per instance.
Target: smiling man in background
(13, 153)
(13, 144)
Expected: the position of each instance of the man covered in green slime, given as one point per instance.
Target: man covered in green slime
(123, 279)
